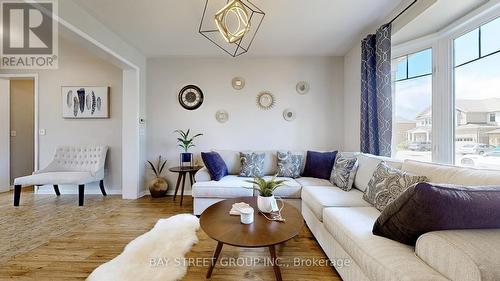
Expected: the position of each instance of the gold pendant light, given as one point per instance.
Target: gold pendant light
(238, 12)
(231, 24)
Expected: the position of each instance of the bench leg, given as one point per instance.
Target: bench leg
(17, 194)
(101, 185)
(81, 189)
(56, 189)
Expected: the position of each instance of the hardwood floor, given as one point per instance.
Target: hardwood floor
(84, 243)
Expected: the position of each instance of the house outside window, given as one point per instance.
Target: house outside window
(477, 96)
(412, 127)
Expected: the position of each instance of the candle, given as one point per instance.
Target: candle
(246, 215)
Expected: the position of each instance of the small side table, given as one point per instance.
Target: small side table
(182, 171)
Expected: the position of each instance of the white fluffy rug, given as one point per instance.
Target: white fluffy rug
(155, 255)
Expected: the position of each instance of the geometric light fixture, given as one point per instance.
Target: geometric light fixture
(231, 25)
(235, 11)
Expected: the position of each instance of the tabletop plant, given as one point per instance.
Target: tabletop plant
(265, 188)
(185, 142)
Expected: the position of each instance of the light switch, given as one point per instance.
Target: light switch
(41, 132)
(13, 133)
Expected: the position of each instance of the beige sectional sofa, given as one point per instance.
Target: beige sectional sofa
(342, 223)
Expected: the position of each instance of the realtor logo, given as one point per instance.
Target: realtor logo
(29, 34)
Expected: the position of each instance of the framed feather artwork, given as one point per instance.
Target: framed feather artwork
(85, 102)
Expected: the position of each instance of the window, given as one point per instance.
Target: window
(477, 98)
(412, 128)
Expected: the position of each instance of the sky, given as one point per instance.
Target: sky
(476, 80)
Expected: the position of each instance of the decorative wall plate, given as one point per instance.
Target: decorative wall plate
(190, 97)
(265, 100)
(238, 83)
(289, 114)
(222, 116)
(302, 87)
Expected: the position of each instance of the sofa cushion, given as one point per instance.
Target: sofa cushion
(367, 165)
(387, 184)
(378, 257)
(429, 207)
(462, 255)
(317, 198)
(228, 187)
(290, 189)
(215, 165)
(252, 164)
(344, 171)
(232, 160)
(319, 164)
(308, 181)
(202, 175)
(289, 164)
(56, 178)
(440, 173)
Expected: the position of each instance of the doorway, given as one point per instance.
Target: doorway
(18, 128)
(22, 127)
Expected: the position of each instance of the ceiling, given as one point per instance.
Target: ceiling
(160, 28)
(436, 17)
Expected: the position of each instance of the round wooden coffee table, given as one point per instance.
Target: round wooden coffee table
(226, 229)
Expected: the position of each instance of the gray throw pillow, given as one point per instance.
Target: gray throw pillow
(344, 171)
(289, 165)
(387, 183)
(252, 164)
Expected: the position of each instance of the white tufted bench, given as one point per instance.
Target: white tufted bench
(71, 165)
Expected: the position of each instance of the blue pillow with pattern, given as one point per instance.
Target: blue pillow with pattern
(289, 165)
(252, 164)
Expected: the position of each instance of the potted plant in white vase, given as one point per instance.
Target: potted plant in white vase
(158, 186)
(266, 201)
(186, 142)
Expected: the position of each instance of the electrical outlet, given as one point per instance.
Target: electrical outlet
(13, 133)
(41, 132)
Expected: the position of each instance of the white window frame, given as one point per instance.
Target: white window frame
(443, 94)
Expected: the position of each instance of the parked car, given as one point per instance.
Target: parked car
(488, 160)
(419, 146)
(475, 148)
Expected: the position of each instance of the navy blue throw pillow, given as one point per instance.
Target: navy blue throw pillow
(215, 165)
(319, 164)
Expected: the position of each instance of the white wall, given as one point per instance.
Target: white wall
(319, 123)
(133, 64)
(77, 67)
(352, 98)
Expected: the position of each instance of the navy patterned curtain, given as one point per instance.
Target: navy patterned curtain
(376, 94)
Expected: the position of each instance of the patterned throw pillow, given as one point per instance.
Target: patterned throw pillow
(289, 165)
(344, 171)
(252, 164)
(387, 183)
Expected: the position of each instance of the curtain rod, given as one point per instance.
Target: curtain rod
(402, 12)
